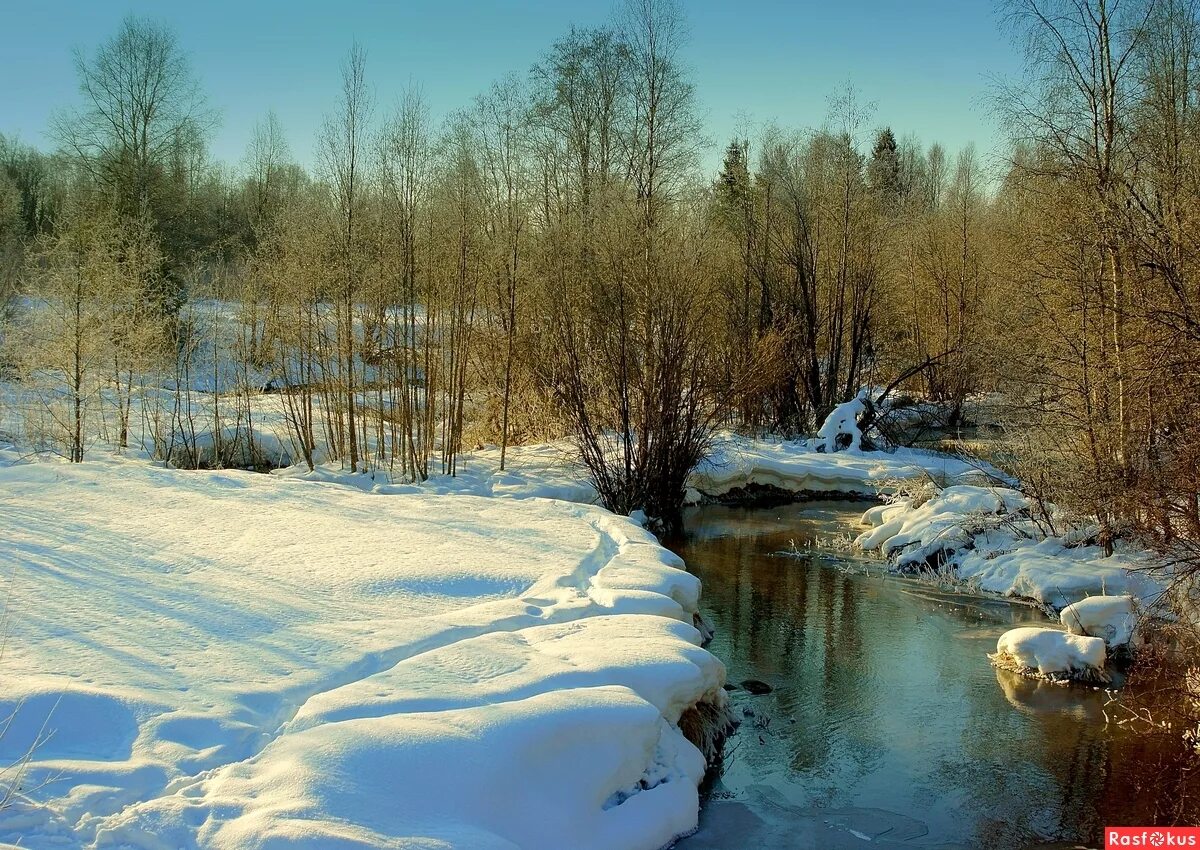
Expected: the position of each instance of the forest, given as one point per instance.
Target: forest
(552, 259)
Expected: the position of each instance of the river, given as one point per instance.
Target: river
(886, 727)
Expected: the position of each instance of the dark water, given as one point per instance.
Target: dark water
(886, 726)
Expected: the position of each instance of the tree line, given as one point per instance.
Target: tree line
(552, 259)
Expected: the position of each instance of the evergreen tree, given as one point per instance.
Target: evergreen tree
(733, 185)
(883, 172)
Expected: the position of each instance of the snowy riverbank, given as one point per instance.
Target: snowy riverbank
(966, 523)
(227, 659)
(987, 538)
(550, 470)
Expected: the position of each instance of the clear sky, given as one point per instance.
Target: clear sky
(926, 64)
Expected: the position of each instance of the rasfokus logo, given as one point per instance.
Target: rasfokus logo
(1151, 836)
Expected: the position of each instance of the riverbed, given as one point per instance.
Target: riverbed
(885, 726)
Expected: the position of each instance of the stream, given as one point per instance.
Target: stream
(886, 727)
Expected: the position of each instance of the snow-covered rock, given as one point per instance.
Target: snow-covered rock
(1111, 618)
(1051, 654)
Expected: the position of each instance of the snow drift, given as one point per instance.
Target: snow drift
(238, 660)
(1114, 619)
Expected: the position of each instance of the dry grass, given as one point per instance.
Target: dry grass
(1084, 676)
(707, 724)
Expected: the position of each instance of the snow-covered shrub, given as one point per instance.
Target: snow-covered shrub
(931, 530)
(840, 431)
(1052, 655)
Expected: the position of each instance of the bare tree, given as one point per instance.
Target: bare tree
(663, 133)
(66, 342)
(501, 125)
(1083, 53)
(140, 129)
(405, 176)
(343, 149)
(268, 160)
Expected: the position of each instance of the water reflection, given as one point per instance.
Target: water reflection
(886, 726)
(1037, 697)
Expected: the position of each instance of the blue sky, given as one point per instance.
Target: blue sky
(926, 64)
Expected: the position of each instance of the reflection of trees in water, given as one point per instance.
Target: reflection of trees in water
(1097, 775)
(790, 621)
(885, 704)
(1153, 778)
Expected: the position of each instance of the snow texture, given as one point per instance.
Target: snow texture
(1112, 618)
(1051, 654)
(232, 660)
(985, 536)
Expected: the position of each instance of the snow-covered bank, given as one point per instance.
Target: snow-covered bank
(987, 538)
(551, 470)
(238, 660)
(798, 467)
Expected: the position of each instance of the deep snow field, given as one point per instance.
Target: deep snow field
(204, 659)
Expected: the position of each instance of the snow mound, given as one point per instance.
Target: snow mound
(840, 431)
(938, 527)
(233, 660)
(1051, 654)
(1111, 618)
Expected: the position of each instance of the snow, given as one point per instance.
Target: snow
(840, 429)
(737, 461)
(1051, 653)
(552, 471)
(225, 659)
(986, 537)
(1111, 618)
(938, 525)
(324, 659)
